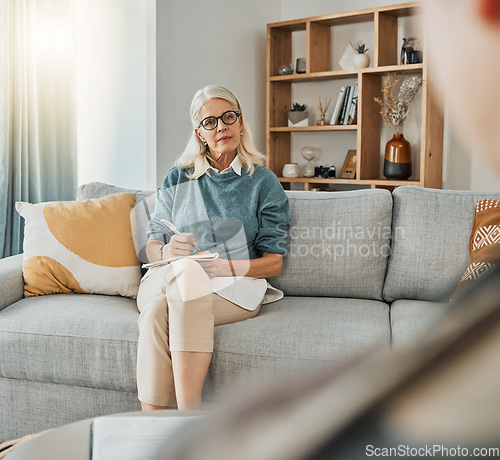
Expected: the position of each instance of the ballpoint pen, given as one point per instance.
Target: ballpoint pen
(174, 229)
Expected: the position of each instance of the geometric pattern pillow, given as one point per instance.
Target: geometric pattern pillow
(484, 242)
(80, 247)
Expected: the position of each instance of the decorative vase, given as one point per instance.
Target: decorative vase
(409, 45)
(397, 160)
(360, 61)
(291, 170)
(285, 69)
(322, 121)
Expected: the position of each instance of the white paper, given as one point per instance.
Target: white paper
(133, 438)
(246, 292)
(159, 263)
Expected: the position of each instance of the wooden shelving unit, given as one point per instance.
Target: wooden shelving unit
(386, 48)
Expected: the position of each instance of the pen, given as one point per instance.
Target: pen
(174, 229)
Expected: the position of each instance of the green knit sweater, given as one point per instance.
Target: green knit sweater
(240, 217)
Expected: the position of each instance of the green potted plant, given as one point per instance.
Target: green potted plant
(360, 59)
(298, 115)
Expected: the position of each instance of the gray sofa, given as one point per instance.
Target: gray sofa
(365, 269)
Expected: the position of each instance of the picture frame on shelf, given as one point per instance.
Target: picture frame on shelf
(349, 167)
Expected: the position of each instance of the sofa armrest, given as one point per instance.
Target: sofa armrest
(11, 280)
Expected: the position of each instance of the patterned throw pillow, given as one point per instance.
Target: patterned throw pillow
(484, 243)
(81, 247)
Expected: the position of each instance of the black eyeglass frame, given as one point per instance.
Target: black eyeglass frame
(221, 118)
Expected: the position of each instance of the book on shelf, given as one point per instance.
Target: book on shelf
(344, 105)
(338, 107)
(345, 120)
(353, 108)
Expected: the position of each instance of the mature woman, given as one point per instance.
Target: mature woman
(221, 200)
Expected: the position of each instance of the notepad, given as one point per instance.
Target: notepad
(159, 263)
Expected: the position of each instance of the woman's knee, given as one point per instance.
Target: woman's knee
(187, 281)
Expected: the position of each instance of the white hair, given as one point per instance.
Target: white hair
(195, 151)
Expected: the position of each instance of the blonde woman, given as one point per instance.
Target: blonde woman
(221, 199)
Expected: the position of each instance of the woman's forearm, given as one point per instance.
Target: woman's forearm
(267, 266)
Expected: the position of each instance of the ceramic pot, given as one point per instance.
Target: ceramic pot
(296, 118)
(360, 61)
(291, 170)
(397, 160)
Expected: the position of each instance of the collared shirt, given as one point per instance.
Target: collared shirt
(235, 166)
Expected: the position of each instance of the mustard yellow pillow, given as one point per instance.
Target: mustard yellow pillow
(82, 247)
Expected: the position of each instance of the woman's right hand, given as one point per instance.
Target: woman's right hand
(179, 245)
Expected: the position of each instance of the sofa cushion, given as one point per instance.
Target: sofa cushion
(339, 244)
(144, 206)
(431, 230)
(484, 242)
(410, 319)
(91, 340)
(72, 339)
(295, 333)
(83, 247)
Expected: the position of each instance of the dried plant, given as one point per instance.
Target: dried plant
(394, 109)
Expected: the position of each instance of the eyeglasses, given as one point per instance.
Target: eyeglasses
(228, 118)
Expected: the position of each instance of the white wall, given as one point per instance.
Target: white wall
(116, 92)
(219, 42)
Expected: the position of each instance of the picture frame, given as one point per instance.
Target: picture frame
(349, 168)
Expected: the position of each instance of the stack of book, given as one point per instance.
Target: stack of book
(345, 111)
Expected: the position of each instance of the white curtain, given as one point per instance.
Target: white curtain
(37, 109)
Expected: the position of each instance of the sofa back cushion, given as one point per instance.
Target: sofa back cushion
(339, 244)
(431, 230)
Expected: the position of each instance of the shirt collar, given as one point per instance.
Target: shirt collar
(235, 166)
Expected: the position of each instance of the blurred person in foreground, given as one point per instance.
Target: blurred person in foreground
(439, 398)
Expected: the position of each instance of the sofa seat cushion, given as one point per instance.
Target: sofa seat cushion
(430, 231)
(339, 244)
(410, 319)
(71, 339)
(295, 333)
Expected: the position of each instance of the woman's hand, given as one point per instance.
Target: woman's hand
(179, 245)
(216, 267)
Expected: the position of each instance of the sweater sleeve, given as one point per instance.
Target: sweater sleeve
(163, 210)
(274, 218)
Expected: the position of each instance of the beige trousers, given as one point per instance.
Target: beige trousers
(178, 313)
